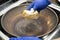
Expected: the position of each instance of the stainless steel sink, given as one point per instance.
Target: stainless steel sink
(1, 38)
(53, 35)
(56, 35)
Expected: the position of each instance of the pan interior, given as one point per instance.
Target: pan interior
(14, 24)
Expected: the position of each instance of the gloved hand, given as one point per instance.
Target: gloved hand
(38, 5)
(26, 38)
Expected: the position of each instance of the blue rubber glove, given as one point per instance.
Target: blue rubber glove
(26, 38)
(38, 5)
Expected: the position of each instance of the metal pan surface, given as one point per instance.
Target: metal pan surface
(14, 24)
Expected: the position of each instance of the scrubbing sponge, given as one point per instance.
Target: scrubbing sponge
(30, 14)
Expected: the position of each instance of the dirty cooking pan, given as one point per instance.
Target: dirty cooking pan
(16, 25)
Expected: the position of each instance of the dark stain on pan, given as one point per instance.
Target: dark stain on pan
(31, 27)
